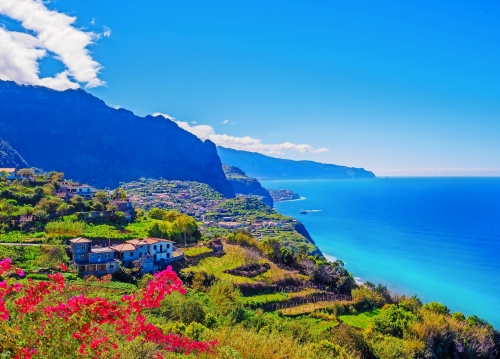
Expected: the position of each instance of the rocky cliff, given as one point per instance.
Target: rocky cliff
(77, 133)
(10, 158)
(245, 185)
(265, 167)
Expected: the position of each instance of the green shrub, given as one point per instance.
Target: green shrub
(197, 331)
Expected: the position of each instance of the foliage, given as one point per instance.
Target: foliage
(53, 319)
(65, 228)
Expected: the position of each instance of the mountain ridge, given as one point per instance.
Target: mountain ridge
(80, 135)
(270, 168)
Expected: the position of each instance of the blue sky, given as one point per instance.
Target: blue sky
(400, 88)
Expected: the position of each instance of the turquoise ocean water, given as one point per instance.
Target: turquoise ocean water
(438, 238)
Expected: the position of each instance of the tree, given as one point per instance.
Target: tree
(155, 213)
(186, 224)
(100, 196)
(119, 194)
(63, 209)
(78, 202)
(56, 176)
(26, 173)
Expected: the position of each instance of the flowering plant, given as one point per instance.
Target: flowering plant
(42, 319)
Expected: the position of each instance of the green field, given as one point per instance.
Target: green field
(360, 320)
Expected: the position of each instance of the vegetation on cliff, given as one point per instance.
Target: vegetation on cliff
(245, 185)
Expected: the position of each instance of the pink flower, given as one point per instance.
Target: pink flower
(63, 267)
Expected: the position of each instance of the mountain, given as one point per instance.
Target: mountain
(265, 167)
(10, 158)
(77, 133)
(245, 185)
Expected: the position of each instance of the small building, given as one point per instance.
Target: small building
(82, 190)
(216, 245)
(122, 206)
(11, 173)
(92, 260)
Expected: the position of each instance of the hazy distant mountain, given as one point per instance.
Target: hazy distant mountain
(265, 167)
(10, 158)
(243, 184)
(77, 133)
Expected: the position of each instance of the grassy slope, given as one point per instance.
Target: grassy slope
(360, 320)
(236, 256)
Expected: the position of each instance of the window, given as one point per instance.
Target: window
(168, 255)
(154, 247)
(81, 268)
(111, 266)
(101, 267)
(140, 255)
(168, 245)
(82, 256)
(83, 246)
(131, 254)
(107, 255)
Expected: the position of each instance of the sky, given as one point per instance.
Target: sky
(402, 88)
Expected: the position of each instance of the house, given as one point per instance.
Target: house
(150, 252)
(94, 260)
(216, 246)
(82, 190)
(122, 206)
(11, 173)
(160, 249)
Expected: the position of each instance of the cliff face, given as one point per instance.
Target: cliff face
(10, 158)
(265, 167)
(243, 184)
(77, 133)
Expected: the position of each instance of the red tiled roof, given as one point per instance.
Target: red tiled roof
(123, 247)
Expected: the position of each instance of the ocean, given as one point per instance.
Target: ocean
(438, 238)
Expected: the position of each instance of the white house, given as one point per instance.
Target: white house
(11, 173)
(160, 249)
(82, 190)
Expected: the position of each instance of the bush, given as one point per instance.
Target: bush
(367, 298)
(197, 331)
(191, 311)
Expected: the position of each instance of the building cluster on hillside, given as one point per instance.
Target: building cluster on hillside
(150, 254)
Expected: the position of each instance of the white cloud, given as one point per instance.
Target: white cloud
(225, 122)
(54, 32)
(164, 115)
(92, 22)
(194, 122)
(107, 32)
(206, 132)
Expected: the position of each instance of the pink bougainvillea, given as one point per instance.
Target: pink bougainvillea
(45, 310)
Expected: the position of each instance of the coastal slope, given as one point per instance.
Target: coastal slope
(271, 168)
(80, 135)
(246, 185)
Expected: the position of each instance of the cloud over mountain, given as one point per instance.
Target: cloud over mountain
(47, 32)
(246, 143)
